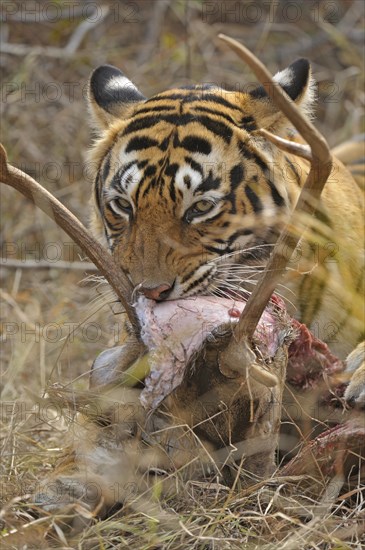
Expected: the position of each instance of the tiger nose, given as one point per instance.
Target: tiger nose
(157, 293)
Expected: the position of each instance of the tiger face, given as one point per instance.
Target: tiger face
(186, 192)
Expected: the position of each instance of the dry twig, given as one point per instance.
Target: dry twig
(44, 264)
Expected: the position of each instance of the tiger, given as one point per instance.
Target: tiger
(189, 199)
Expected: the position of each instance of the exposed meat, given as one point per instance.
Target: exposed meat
(174, 331)
(309, 358)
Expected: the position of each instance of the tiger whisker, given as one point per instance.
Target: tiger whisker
(281, 285)
(135, 290)
(238, 269)
(240, 251)
(231, 287)
(107, 291)
(99, 279)
(107, 297)
(217, 291)
(236, 274)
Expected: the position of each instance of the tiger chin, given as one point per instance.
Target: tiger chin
(189, 199)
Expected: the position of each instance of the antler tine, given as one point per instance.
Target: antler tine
(73, 227)
(289, 146)
(320, 169)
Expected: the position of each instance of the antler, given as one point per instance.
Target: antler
(320, 168)
(73, 227)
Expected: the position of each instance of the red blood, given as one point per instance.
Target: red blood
(234, 312)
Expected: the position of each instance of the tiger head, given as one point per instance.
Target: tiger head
(188, 197)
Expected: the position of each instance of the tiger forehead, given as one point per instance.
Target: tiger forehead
(216, 111)
(194, 96)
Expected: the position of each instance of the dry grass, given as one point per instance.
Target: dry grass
(54, 324)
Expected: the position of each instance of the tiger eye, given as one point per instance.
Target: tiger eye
(198, 209)
(123, 203)
(202, 206)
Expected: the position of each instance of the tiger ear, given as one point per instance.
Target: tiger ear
(298, 83)
(111, 96)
